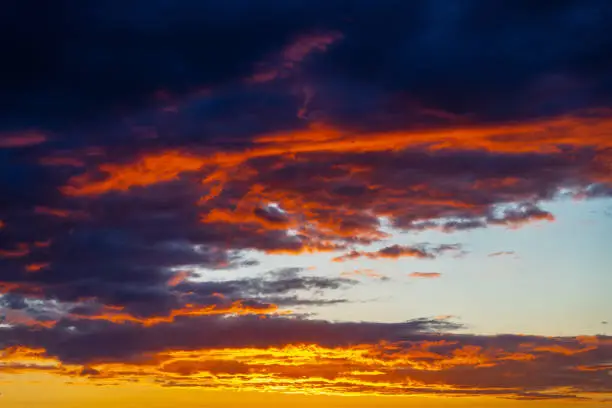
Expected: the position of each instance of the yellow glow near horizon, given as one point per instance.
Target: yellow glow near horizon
(49, 391)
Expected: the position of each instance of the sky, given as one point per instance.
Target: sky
(343, 202)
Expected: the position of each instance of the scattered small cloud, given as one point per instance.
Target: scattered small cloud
(446, 317)
(36, 267)
(419, 251)
(23, 139)
(370, 273)
(425, 275)
(502, 253)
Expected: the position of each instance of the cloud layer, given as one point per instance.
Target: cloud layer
(286, 354)
(149, 151)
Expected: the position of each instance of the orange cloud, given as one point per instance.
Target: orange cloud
(364, 272)
(535, 136)
(21, 251)
(21, 354)
(596, 367)
(22, 318)
(445, 317)
(36, 267)
(56, 212)
(116, 315)
(425, 275)
(333, 206)
(559, 349)
(146, 171)
(43, 244)
(404, 368)
(178, 278)
(8, 287)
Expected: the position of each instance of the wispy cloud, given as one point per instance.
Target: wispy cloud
(521, 367)
(501, 253)
(370, 273)
(21, 139)
(425, 275)
(421, 251)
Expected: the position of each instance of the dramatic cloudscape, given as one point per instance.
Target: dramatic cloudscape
(349, 203)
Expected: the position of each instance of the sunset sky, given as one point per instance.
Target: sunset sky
(331, 203)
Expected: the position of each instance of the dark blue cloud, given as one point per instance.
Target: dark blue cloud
(494, 59)
(112, 81)
(69, 63)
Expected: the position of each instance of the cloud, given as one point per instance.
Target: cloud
(366, 273)
(501, 253)
(515, 81)
(237, 187)
(517, 215)
(304, 356)
(24, 139)
(425, 275)
(439, 159)
(57, 212)
(421, 251)
(446, 317)
(21, 250)
(84, 340)
(171, 297)
(36, 267)
(116, 314)
(293, 54)
(150, 170)
(187, 142)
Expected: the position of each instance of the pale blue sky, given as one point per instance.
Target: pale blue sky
(557, 283)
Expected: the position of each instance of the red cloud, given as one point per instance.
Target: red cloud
(21, 251)
(24, 139)
(36, 267)
(292, 55)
